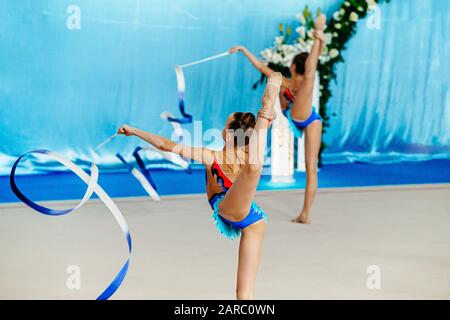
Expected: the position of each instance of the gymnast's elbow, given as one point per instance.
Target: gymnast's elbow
(264, 69)
(260, 66)
(163, 147)
(167, 146)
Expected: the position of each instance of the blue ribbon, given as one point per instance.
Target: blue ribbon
(92, 187)
(143, 177)
(187, 118)
(181, 88)
(142, 167)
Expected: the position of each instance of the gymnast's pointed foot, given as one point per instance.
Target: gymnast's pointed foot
(302, 219)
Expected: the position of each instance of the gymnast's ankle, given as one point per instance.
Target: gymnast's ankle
(244, 295)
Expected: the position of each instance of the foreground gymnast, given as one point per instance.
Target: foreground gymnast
(232, 177)
(296, 102)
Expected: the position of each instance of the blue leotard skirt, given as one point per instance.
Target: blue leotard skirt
(298, 126)
(230, 229)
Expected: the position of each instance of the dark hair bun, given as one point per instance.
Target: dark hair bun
(248, 120)
(242, 123)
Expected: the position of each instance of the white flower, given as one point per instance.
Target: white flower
(342, 11)
(354, 17)
(287, 50)
(267, 54)
(287, 61)
(279, 40)
(361, 9)
(301, 31)
(301, 18)
(328, 38)
(308, 45)
(335, 34)
(334, 53)
(371, 4)
(300, 46)
(310, 34)
(347, 4)
(337, 16)
(324, 59)
(277, 58)
(338, 26)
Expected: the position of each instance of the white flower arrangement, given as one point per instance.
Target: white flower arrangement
(283, 52)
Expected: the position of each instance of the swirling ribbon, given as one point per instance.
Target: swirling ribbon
(142, 174)
(181, 85)
(92, 182)
(143, 177)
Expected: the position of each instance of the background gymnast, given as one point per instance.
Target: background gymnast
(232, 177)
(296, 101)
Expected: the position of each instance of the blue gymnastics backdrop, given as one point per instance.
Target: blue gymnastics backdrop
(392, 96)
(66, 87)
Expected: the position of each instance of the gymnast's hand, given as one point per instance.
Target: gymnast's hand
(267, 113)
(319, 35)
(320, 22)
(126, 130)
(236, 49)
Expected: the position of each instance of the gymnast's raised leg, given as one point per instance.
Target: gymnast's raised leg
(238, 200)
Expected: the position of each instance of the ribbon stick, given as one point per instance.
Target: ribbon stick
(105, 142)
(92, 183)
(144, 179)
(187, 65)
(181, 86)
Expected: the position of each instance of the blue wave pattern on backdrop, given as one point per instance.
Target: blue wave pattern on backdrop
(392, 96)
(67, 90)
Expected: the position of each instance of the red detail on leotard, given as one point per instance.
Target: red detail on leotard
(216, 170)
(288, 95)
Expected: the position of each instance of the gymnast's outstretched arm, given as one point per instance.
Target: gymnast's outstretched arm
(201, 155)
(258, 64)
